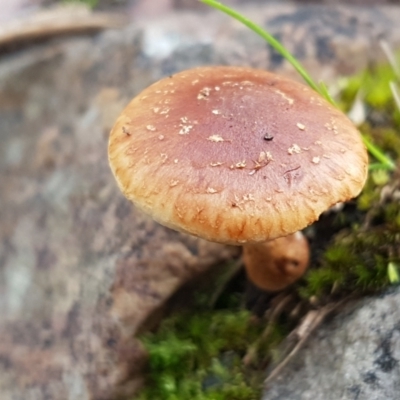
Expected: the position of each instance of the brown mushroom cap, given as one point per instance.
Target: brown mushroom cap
(235, 155)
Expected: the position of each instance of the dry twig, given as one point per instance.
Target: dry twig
(276, 311)
(311, 321)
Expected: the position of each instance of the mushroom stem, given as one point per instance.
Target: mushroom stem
(276, 264)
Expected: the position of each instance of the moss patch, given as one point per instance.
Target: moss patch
(199, 356)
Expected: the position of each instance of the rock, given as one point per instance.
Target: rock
(355, 356)
(81, 269)
(329, 41)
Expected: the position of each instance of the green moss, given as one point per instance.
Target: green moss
(374, 86)
(89, 3)
(369, 196)
(357, 259)
(199, 356)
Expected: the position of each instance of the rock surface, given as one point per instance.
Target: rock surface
(356, 356)
(80, 269)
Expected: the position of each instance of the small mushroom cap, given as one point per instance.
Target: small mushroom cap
(235, 155)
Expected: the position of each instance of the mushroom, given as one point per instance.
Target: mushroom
(237, 156)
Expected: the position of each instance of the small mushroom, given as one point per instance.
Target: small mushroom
(283, 156)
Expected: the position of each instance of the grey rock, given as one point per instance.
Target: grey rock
(81, 271)
(355, 356)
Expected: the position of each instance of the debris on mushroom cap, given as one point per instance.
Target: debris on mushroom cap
(276, 264)
(253, 198)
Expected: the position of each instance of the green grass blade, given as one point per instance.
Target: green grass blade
(384, 160)
(271, 40)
